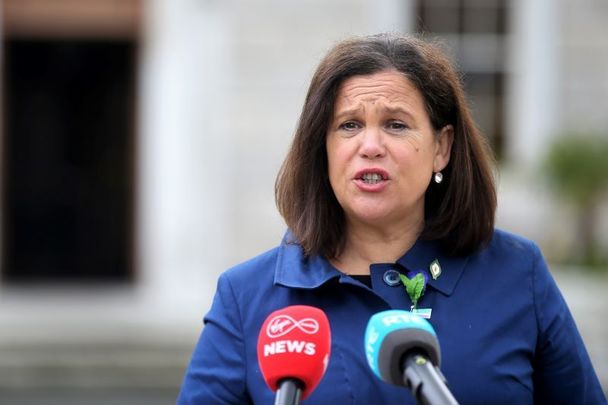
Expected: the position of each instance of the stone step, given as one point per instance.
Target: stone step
(89, 365)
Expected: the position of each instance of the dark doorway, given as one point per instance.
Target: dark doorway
(68, 160)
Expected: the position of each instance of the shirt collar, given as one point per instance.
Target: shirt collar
(295, 270)
(423, 253)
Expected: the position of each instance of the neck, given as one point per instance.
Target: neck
(367, 244)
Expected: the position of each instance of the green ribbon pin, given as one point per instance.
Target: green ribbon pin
(414, 287)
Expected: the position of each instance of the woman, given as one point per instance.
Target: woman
(388, 177)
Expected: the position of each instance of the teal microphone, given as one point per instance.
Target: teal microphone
(402, 349)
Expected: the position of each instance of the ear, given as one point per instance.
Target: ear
(443, 148)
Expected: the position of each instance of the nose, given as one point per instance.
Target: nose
(372, 144)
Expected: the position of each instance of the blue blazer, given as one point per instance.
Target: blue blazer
(505, 331)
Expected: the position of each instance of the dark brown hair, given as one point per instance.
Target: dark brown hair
(459, 212)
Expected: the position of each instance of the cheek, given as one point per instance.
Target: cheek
(417, 163)
(411, 155)
(333, 165)
(336, 159)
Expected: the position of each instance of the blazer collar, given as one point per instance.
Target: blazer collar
(423, 253)
(295, 270)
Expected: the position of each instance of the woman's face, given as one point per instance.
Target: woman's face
(382, 150)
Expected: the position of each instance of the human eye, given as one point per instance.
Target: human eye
(396, 126)
(349, 126)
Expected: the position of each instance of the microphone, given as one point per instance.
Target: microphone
(402, 349)
(293, 351)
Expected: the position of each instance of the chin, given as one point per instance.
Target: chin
(372, 216)
(373, 213)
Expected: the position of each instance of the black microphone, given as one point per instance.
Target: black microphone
(402, 349)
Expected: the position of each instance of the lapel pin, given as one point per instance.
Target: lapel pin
(435, 269)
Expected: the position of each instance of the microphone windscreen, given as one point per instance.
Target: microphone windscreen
(390, 335)
(295, 343)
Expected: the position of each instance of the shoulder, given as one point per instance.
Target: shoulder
(506, 241)
(509, 247)
(242, 289)
(507, 255)
(259, 268)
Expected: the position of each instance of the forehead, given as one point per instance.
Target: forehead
(385, 87)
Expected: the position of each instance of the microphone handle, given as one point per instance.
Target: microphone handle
(425, 381)
(289, 392)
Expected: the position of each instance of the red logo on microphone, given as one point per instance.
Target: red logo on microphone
(281, 325)
(295, 343)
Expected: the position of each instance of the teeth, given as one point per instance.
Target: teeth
(372, 178)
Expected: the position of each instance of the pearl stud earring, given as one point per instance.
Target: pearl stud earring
(438, 177)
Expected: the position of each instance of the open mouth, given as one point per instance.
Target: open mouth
(371, 177)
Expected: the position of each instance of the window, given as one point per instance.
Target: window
(474, 32)
(68, 142)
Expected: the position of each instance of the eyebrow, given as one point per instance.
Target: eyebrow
(349, 112)
(399, 110)
(390, 110)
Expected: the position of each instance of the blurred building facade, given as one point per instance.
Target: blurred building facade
(184, 111)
